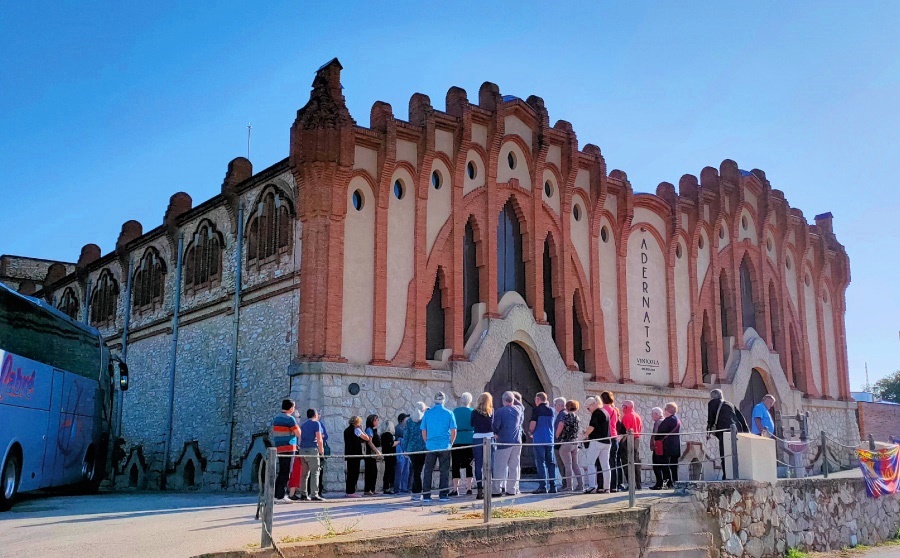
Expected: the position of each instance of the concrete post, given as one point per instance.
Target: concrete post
(735, 473)
(630, 467)
(871, 443)
(269, 505)
(486, 481)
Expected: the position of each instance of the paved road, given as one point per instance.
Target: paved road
(173, 525)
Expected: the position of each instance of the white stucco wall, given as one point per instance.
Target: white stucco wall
(682, 308)
(359, 275)
(366, 159)
(583, 180)
(479, 134)
(513, 125)
(438, 206)
(830, 350)
(703, 259)
(723, 235)
(748, 232)
(504, 173)
(471, 184)
(400, 260)
(647, 315)
(790, 276)
(553, 200)
(609, 296)
(554, 155)
(812, 332)
(580, 232)
(443, 141)
(407, 151)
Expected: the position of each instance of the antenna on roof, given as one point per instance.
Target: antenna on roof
(249, 127)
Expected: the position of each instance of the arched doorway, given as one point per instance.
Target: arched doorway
(516, 372)
(756, 389)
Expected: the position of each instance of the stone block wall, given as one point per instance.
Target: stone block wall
(764, 520)
(881, 420)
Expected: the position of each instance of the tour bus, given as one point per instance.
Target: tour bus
(56, 399)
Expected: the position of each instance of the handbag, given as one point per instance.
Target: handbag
(581, 457)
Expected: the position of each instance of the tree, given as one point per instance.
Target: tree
(888, 388)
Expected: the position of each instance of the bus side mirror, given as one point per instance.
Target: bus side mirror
(123, 376)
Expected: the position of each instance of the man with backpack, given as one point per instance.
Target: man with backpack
(720, 416)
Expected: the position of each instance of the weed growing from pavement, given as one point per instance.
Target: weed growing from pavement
(332, 529)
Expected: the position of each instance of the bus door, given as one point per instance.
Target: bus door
(50, 471)
(76, 427)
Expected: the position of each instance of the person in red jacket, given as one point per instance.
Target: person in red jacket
(632, 421)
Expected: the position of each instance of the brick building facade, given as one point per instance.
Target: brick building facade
(470, 248)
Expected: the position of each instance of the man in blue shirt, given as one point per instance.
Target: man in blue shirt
(439, 432)
(312, 447)
(762, 419)
(541, 431)
(507, 423)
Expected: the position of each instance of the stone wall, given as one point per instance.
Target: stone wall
(761, 520)
(881, 420)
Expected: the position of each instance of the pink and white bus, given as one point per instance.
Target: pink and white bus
(56, 399)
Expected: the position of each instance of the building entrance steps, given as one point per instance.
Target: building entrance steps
(680, 528)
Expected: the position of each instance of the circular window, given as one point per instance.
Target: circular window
(744, 222)
(436, 180)
(700, 243)
(722, 232)
(604, 235)
(678, 251)
(787, 263)
(398, 189)
(548, 189)
(353, 388)
(769, 244)
(576, 212)
(806, 279)
(358, 200)
(511, 159)
(471, 170)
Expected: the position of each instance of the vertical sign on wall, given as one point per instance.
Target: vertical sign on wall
(647, 310)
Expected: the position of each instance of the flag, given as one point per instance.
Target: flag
(881, 470)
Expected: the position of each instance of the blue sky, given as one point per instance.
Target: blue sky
(108, 109)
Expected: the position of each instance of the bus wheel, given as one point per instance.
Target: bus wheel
(12, 472)
(91, 472)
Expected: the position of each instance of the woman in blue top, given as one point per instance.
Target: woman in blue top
(462, 458)
(413, 442)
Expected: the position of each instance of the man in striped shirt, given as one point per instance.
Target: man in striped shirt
(285, 432)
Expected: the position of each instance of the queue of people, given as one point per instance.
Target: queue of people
(588, 458)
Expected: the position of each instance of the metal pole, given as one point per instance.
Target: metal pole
(735, 472)
(824, 455)
(265, 540)
(234, 342)
(87, 302)
(630, 469)
(871, 443)
(173, 351)
(125, 343)
(486, 481)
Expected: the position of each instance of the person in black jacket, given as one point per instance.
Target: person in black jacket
(372, 451)
(671, 444)
(720, 415)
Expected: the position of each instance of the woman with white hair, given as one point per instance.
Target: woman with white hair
(460, 456)
(656, 414)
(596, 437)
(413, 441)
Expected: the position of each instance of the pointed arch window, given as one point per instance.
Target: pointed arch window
(104, 299)
(68, 303)
(148, 284)
(578, 352)
(510, 264)
(269, 232)
(748, 305)
(549, 301)
(471, 284)
(203, 258)
(434, 321)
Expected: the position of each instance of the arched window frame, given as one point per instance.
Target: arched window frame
(148, 285)
(104, 300)
(203, 258)
(68, 303)
(270, 228)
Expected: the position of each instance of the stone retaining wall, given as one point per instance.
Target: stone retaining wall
(760, 519)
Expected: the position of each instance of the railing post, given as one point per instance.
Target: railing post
(735, 473)
(265, 540)
(871, 443)
(486, 480)
(631, 471)
(824, 455)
